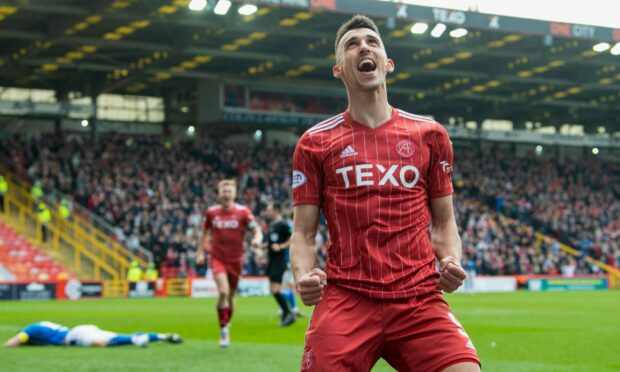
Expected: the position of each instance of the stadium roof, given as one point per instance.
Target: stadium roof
(503, 68)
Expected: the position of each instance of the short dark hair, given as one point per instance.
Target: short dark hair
(357, 21)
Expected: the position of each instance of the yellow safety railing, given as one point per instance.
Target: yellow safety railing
(91, 239)
(115, 288)
(614, 274)
(177, 287)
(24, 219)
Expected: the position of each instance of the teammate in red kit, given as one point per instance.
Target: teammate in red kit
(381, 177)
(224, 229)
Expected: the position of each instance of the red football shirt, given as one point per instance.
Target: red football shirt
(374, 188)
(227, 230)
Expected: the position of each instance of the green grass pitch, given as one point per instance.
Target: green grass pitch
(524, 331)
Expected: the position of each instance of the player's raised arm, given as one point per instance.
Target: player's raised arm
(203, 242)
(446, 244)
(257, 235)
(309, 280)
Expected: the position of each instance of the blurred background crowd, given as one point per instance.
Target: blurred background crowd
(154, 193)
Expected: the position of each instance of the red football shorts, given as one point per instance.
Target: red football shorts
(350, 332)
(231, 269)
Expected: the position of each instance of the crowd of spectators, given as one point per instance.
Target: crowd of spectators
(577, 201)
(154, 194)
(494, 244)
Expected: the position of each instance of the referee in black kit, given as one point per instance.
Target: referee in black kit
(278, 240)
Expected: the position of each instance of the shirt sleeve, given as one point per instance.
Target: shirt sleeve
(285, 231)
(29, 332)
(307, 176)
(440, 168)
(206, 224)
(23, 337)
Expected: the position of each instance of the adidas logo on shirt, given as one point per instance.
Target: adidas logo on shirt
(348, 152)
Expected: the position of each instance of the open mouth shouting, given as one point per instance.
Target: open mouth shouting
(367, 67)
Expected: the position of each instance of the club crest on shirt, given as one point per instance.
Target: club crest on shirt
(405, 148)
(298, 179)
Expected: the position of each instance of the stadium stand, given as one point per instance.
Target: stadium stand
(24, 261)
(498, 245)
(155, 195)
(5, 274)
(576, 202)
(295, 103)
(153, 192)
(132, 111)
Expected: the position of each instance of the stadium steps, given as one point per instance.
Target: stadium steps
(64, 253)
(5, 275)
(88, 252)
(23, 260)
(614, 273)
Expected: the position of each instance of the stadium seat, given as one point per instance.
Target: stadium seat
(25, 261)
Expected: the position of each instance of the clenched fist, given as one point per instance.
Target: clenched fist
(451, 274)
(310, 286)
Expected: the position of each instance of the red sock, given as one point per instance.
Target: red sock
(223, 314)
(226, 316)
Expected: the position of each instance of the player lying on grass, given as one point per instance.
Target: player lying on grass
(48, 333)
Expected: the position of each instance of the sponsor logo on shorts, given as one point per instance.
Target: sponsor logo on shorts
(307, 361)
(298, 179)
